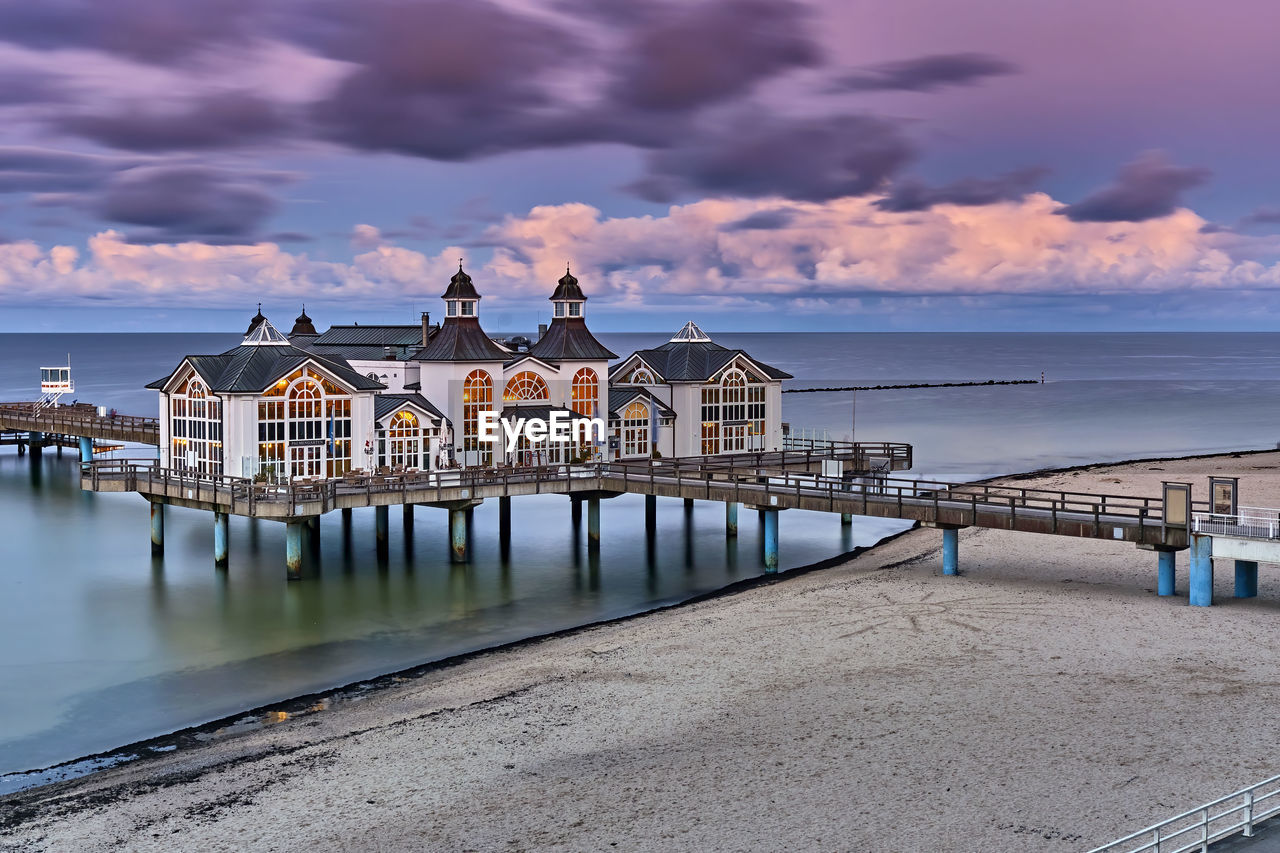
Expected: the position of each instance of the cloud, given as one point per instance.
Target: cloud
(812, 159)
(150, 31)
(1265, 215)
(31, 169)
(218, 120)
(828, 256)
(29, 86)
(174, 202)
(911, 195)
(1148, 188)
(680, 57)
(924, 74)
(762, 220)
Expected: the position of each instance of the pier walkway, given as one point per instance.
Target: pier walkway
(80, 420)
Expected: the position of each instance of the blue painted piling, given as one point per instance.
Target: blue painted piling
(86, 449)
(730, 519)
(1246, 579)
(157, 527)
(220, 556)
(951, 552)
(1201, 581)
(1165, 572)
(293, 548)
(771, 540)
(458, 535)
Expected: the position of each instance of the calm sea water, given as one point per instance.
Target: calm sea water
(100, 645)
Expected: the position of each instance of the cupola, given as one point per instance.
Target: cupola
(461, 297)
(303, 325)
(568, 297)
(256, 321)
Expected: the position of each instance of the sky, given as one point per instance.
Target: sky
(832, 165)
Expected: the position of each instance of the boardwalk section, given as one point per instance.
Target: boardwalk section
(80, 421)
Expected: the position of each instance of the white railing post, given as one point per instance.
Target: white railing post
(1248, 813)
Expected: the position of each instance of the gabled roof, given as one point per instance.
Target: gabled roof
(461, 339)
(386, 404)
(691, 356)
(619, 398)
(528, 356)
(568, 339)
(249, 368)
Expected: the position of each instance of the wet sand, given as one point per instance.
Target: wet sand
(1046, 699)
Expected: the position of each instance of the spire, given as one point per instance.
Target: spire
(303, 325)
(690, 333)
(256, 321)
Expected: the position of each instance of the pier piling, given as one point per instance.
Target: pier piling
(86, 449)
(1201, 581)
(1246, 579)
(458, 535)
(846, 519)
(293, 548)
(575, 511)
(650, 514)
(770, 540)
(407, 517)
(157, 528)
(220, 555)
(1165, 572)
(730, 519)
(380, 514)
(593, 524)
(951, 552)
(504, 526)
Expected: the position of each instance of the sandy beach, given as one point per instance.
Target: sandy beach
(1046, 699)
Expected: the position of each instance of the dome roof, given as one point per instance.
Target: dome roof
(567, 289)
(303, 325)
(460, 286)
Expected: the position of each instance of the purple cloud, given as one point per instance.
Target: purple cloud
(762, 220)
(217, 121)
(924, 74)
(187, 202)
(911, 195)
(1148, 188)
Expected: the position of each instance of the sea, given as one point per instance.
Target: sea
(102, 645)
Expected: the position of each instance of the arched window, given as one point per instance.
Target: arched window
(733, 411)
(195, 428)
(586, 392)
(304, 427)
(404, 441)
(477, 396)
(635, 429)
(526, 385)
(641, 376)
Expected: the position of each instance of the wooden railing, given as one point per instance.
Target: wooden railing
(77, 420)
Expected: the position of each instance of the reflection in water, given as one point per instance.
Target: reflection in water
(122, 646)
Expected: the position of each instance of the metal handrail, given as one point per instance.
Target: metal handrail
(1246, 522)
(1167, 836)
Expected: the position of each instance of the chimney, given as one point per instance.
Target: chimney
(542, 330)
(426, 324)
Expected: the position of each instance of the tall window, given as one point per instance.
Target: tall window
(195, 428)
(526, 385)
(477, 395)
(586, 390)
(710, 420)
(304, 427)
(733, 411)
(635, 429)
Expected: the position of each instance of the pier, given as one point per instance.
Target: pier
(32, 426)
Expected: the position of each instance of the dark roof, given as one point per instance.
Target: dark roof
(303, 325)
(256, 320)
(393, 336)
(696, 361)
(354, 352)
(620, 397)
(568, 339)
(536, 410)
(385, 404)
(527, 356)
(248, 368)
(567, 288)
(461, 339)
(460, 286)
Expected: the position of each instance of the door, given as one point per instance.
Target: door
(305, 461)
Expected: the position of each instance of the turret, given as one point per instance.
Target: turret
(460, 297)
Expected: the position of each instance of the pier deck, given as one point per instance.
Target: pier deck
(79, 420)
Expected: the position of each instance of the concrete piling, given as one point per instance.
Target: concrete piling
(951, 552)
(770, 540)
(730, 519)
(593, 524)
(157, 528)
(846, 519)
(1165, 572)
(293, 533)
(1201, 574)
(1246, 579)
(86, 449)
(458, 535)
(220, 553)
(380, 524)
